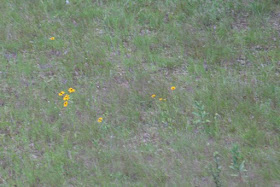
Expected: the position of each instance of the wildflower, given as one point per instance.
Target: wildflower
(66, 97)
(173, 88)
(65, 104)
(160, 99)
(100, 120)
(153, 96)
(70, 90)
(52, 38)
(164, 99)
(61, 93)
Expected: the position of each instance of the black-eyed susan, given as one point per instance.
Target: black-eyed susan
(61, 93)
(153, 96)
(65, 103)
(66, 97)
(71, 90)
(173, 88)
(52, 38)
(100, 120)
(160, 99)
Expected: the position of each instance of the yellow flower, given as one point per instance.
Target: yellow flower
(52, 38)
(160, 99)
(66, 97)
(70, 90)
(173, 88)
(153, 96)
(65, 104)
(61, 93)
(100, 120)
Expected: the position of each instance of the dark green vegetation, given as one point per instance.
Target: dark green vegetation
(219, 127)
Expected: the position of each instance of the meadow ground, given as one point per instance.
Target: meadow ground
(219, 127)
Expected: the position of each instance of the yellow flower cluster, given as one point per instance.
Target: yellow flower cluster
(66, 96)
(100, 120)
(52, 38)
(161, 99)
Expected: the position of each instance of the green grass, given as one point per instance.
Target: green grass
(116, 54)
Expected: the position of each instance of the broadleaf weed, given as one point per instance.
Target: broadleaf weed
(238, 164)
(216, 170)
(201, 117)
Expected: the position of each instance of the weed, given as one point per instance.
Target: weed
(200, 114)
(201, 117)
(238, 164)
(216, 170)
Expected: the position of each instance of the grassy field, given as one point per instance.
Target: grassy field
(220, 126)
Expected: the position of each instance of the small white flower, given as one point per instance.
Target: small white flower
(67, 2)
